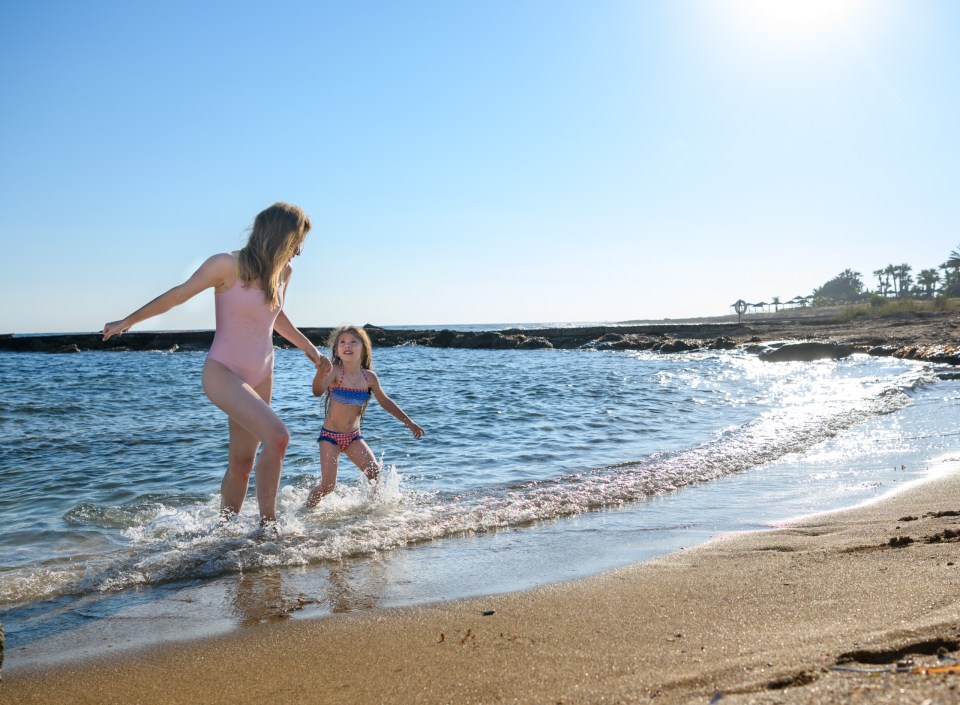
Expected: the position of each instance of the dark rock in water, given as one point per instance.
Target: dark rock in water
(535, 343)
(612, 341)
(1, 651)
(631, 343)
(807, 352)
(486, 340)
(675, 346)
(445, 339)
(723, 343)
(933, 353)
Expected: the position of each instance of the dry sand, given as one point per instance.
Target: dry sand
(754, 618)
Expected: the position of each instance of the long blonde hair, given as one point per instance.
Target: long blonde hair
(275, 238)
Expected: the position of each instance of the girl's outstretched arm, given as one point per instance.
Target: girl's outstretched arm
(211, 273)
(391, 407)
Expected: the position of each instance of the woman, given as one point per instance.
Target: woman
(249, 290)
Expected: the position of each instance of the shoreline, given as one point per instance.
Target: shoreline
(727, 594)
(760, 617)
(912, 335)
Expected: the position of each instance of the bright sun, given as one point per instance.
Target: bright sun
(796, 19)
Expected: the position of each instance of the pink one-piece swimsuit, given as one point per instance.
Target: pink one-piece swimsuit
(243, 341)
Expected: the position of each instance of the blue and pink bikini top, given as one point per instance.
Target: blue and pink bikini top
(346, 395)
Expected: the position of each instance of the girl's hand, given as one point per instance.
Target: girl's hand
(415, 429)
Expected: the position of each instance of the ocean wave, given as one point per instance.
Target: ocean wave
(177, 537)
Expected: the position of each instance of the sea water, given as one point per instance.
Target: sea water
(536, 466)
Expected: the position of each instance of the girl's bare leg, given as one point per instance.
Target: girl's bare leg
(249, 409)
(361, 455)
(329, 462)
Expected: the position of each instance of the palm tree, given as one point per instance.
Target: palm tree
(891, 273)
(903, 271)
(928, 279)
(951, 274)
(881, 286)
(776, 303)
(954, 261)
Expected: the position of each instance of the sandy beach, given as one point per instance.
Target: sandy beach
(761, 617)
(854, 606)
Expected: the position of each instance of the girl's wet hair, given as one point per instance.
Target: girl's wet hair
(366, 356)
(275, 238)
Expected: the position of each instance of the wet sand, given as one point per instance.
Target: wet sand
(761, 617)
(844, 607)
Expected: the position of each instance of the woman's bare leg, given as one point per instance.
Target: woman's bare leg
(243, 452)
(249, 408)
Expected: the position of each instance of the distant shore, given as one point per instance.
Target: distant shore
(930, 335)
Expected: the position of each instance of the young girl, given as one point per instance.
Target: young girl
(349, 384)
(250, 286)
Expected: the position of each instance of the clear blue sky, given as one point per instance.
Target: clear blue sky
(474, 162)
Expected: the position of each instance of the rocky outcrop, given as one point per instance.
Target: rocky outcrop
(807, 352)
(924, 337)
(660, 339)
(170, 341)
(675, 338)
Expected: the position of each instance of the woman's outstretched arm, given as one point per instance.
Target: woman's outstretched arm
(211, 273)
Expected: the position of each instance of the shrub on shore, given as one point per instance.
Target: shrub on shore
(879, 306)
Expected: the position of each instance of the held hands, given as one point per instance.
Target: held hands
(319, 360)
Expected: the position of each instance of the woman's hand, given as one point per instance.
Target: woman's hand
(114, 328)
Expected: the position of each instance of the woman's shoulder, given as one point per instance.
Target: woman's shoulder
(223, 269)
(223, 260)
(217, 265)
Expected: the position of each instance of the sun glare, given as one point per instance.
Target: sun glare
(796, 19)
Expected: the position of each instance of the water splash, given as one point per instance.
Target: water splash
(178, 537)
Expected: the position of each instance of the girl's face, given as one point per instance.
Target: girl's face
(349, 347)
